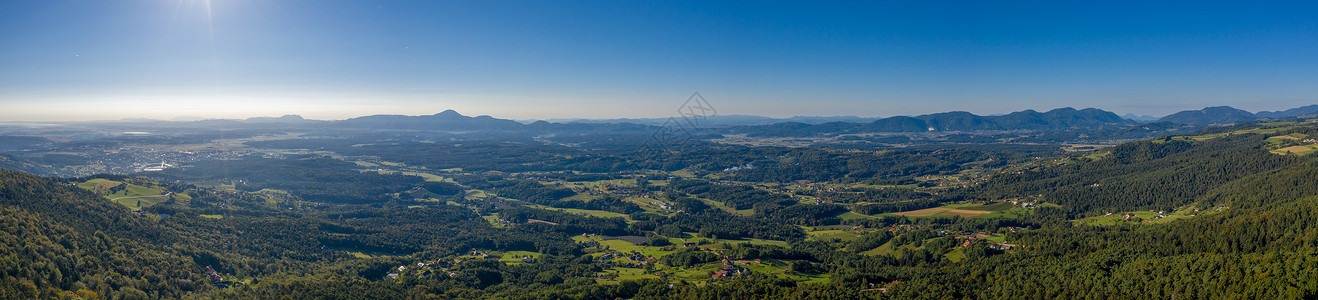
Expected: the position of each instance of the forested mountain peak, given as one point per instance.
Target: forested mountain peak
(957, 121)
(1210, 115)
(449, 113)
(1289, 113)
(448, 120)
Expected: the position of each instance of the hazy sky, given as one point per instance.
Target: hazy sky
(79, 60)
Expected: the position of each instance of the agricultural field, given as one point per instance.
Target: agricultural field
(943, 211)
(1264, 128)
(133, 196)
(1145, 217)
(823, 235)
(990, 210)
(594, 213)
(1292, 144)
(1297, 150)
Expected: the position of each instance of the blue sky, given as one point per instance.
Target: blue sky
(81, 60)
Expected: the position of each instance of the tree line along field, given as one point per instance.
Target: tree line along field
(1145, 219)
(134, 196)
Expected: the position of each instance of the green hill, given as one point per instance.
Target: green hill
(61, 241)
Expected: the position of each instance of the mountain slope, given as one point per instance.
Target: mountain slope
(447, 120)
(58, 240)
(1161, 174)
(1294, 112)
(1054, 120)
(1210, 115)
(12, 163)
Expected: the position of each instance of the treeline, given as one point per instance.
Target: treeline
(1160, 175)
(64, 242)
(817, 214)
(706, 221)
(534, 192)
(859, 195)
(319, 179)
(736, 196)
(895, 206)
(566, 222)
(882, 167)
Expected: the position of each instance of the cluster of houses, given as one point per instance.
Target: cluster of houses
(883, 288)
(894, 228)
(967, 238)
(625, 260)
(991, 245)
(502, 222)
(442, 266)
(426, 269)
(730, 269)
(217, 280)
(614, 191)
(664, 207)
(1160, 214)
(950, 181)
(1026, 202)
(484, 255)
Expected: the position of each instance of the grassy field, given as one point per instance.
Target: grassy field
(943, 211)
(430, 177)
(886, 248)
(515, 257)
(1144, 216)
(729, 209)
(94, 184)
(851, 216)
(1297, 150)
(133, 196)
(991, 210)
(477, 194)
(1268, 128)
(845, 235)
(623, 246)
(494, 220)
(595, 213)
(956, 255)
(616, 275)
(995, 206)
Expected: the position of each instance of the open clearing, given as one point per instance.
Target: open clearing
(1299, 150)
(133, 196)
(943, 211)
(996, 206)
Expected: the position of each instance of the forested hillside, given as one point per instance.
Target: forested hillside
(1229, 212)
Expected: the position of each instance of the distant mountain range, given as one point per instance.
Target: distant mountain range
(1139, 118)
(1210, 115)
(447, 120)
(727, 120)
(1289, 113)
(1228, 115)
(1053, 120)
(1060, 119)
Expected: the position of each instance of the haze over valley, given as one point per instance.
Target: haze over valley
(199, 149)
